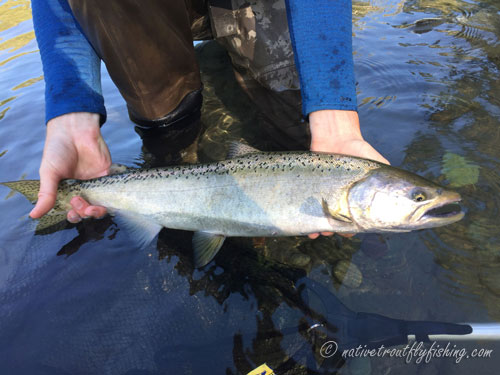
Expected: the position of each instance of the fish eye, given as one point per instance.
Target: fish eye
(418, 196)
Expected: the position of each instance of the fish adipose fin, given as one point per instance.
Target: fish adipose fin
(205, 247)
(237, 149)
(119, 169)
(334, 215)
(141, 229)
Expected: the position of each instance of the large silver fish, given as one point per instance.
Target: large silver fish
(262, 194)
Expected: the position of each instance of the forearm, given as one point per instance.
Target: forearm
(71, 66)
(321, 34)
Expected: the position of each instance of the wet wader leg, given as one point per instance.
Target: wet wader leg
(280, 114)
(255, 34)
(147, 47)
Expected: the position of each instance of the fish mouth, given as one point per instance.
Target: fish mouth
(449, 211)
(444, 211)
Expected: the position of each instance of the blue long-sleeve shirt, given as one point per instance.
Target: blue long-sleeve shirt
(71, 67)
(320, 32)
(321, 35)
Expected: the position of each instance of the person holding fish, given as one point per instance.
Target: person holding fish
(293, 58)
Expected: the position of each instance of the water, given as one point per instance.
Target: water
(85, 301)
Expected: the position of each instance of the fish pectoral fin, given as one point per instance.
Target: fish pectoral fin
(239, 149)
(341, 217)
(140, 228)
(205, 247)
(334, 215)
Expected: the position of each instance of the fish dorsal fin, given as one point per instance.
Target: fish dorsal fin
(239, 149)
(335, 214)
(140, 228)
(205, 247)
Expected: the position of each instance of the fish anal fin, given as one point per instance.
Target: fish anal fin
(336, 215)
(205, 247)
(141, 229)
(237, 149)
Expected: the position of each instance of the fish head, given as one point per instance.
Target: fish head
(389, 199)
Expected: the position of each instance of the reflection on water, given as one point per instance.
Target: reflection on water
(464, 119)
(12, 13)
(82, 300)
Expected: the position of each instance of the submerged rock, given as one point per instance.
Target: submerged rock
(300, 259)
(348, 274)
(459, 171)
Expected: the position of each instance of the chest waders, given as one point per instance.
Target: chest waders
(147, 47)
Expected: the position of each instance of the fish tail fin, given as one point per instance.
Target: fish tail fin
(28, 188)
(51, 222)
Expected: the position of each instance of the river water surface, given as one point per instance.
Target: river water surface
(85, 300)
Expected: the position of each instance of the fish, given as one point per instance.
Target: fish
(260, 194)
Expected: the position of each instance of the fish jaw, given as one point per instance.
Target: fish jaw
(444, 211)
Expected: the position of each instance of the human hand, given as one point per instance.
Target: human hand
(74, 148)
(337, 131)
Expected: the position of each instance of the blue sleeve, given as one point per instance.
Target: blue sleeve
(321, 35)
(71, 67)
